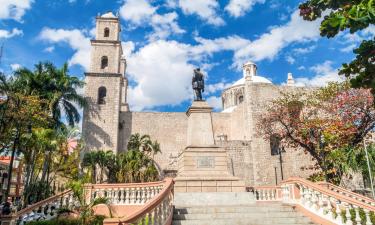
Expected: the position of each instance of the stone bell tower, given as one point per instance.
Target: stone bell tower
(106, 86)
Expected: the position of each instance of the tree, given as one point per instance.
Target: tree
(355, 16)
(90, 160)
(56, 86)
(326, 124)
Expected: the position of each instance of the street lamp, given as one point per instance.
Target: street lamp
(281, 150)
(369, 168)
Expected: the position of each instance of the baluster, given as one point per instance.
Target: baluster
(273, 194)
(161, 213)
(348, 215)
(127, 196)
(368, 219)
(115, 195)
(143, 195)
(357, 216)
(121, 196)
(148, 193)
(132, 196)
(156, 216)
(340, 218)
(329, 207)
(320, 204)
(263, 195)
(140, 195)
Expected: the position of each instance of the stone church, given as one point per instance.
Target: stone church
(108, 122)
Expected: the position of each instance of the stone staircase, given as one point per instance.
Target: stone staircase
(214, 209)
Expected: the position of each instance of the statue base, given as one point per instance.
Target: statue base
(203, 166)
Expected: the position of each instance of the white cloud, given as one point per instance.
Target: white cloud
(270, 44)
(290, 59)
(76, 39)
(214, 102)
(162, 75)
(142, 13)
(348, 48)
(14, 9)
(205, 9)
(9, 34)
(237, 8)
(137, 11)
(212, 88)
(49, 49)
(302, 51)
(324, 73)
(164, 25)
(15, 66)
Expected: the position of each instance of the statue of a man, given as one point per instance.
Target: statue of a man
(198, 84)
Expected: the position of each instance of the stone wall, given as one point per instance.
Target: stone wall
(100, 122)
(264, 162)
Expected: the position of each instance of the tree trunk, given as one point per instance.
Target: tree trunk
(10, 169)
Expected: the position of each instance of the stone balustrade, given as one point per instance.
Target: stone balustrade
(324, 203)
(267, 193)
(157, 211)
(155, 200)
(43, 210)
(125, 194)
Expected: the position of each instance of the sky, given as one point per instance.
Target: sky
(164, 40)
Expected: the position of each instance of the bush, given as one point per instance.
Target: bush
(56, 222)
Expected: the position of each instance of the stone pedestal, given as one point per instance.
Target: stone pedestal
(203, 166)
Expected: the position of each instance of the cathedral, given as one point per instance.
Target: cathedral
(108, 121)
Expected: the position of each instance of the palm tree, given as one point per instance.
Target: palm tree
(57, 87)
(138, 142)
(90, 160)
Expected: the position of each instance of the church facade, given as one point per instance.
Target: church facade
(108, 122)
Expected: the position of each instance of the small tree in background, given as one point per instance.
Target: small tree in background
(326, 124)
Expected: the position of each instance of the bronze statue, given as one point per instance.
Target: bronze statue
(198, 84)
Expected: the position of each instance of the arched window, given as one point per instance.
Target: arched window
(106, 32)
(104, 62)
(102, 93)
(275, 144)
(240, 99)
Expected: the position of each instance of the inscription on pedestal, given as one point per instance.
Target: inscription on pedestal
(205, 162)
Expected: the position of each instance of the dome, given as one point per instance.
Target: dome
(108, 15)
(255, 79)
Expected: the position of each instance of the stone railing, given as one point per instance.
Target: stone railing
(157, 211)
(326, 203)
(267, 193)
(125, 194)
(153, 203)
(343, 191)
(43, 210)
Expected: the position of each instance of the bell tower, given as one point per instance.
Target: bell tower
(106, 86)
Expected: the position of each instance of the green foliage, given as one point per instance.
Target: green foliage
(134, 165)
(328, 123)
(355, 16)
(56, 222)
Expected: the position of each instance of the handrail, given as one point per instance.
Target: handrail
(347, 192)
(326, 191)
(123, 185)
(148, 207)
(41, 203)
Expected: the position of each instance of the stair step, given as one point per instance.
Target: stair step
(235, 222)
(233, 209)
(247, 215)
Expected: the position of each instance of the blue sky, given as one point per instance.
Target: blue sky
(164, 40)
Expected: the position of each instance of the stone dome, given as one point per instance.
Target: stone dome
(255, 79)
(108, 15)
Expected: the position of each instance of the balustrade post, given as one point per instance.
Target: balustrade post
(368, 219)
(127, 196)
(357, 216)
(348, 215)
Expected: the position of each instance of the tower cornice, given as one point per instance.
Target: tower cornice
(94, 41)
(103, 74)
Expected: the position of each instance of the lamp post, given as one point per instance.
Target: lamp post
(281, 150)
(369, 168)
